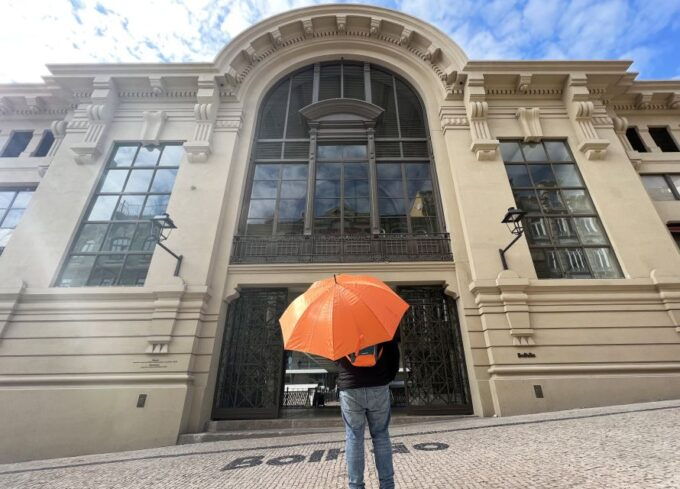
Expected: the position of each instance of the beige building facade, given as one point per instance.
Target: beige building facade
(330, 139)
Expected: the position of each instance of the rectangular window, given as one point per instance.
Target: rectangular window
(674, 228)
(564, 232)
(115, 243)
(663, 139)
(45, 144)
(17, 143)
(662, 187)
(635, 140)
(13, 203)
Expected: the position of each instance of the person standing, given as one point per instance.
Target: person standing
(365, 397)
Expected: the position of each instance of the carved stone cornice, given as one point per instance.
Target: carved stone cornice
(104, 101)
(453, 118)
(530, 122)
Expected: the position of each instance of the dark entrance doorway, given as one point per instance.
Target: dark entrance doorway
(256, 378)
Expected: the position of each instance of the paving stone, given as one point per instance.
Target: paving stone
(633, 446)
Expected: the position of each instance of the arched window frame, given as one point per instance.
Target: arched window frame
(381, 148)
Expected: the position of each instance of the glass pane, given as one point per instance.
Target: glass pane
(657, 187)
(590, 230)
(356, 171)
(557, 151)
(390, 188)
(421, 207)
(114, 181)
(391, 225)
(355, 207)
(129, 207)
(419, 188)
(22, 199)
(546, 263)
(119, 237)
(135, 270)
(294, 172)
(143, 241)
(90, 238)
(551, 202)
(518, 176)
(172, 155)
(293, 189)
(292, 209)
(300, 96)
(603, 262)
(382, 94)
(76, 271)
(578, 202)
(392, 207)
(139, 181)
(261, 208)
(327, 188)
(356, 188)
(359, 225)
(273, 115)
(163, 181)
(417, 171)
(534, 152)
(292, 227)
(526, 200)
(327, 207)
(511, 152)
(6, 199)
(105, 270)
(12, 218)
(155, 205)
(103, 208)
(267, 172)
(259, 227)
(354, 151)
(389, 170)
(17, 143)
(329, 81)
(329, 152)
(264, 188)
(573, 262)
(327, 226)
(353, 81)
(329, 171)
(676, 182)
(567, 176)
(411, 120)
(424, 225)
(148, 156)
(124, 155)
(542, 176)
(562, 230)
(537, 231)
(5, 234)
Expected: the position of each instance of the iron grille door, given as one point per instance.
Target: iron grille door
(250, 373)
(432, 353)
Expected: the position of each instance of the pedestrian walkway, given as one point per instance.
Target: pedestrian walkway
(632, 446)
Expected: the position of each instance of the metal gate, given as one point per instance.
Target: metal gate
(250, 374)
(432, 353)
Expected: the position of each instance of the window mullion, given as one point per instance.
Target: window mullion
(373, 182)
(316, 82)
(396, 111)
(285, 120)
(367, 83)
(311, 181)
(671, 185)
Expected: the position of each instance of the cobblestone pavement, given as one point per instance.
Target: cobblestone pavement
(633, 446)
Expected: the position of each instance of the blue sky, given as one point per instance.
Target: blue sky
(36, 32)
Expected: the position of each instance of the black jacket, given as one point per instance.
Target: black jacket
(382, 373)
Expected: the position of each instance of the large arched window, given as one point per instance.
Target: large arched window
(341, 150)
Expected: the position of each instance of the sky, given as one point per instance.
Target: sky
(34, 33)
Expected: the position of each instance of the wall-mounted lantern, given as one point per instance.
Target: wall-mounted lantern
(513, 221)
(162, 227)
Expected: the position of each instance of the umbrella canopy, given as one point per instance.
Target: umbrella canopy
(341, 315)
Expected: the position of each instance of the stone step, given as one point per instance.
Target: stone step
(265, 428)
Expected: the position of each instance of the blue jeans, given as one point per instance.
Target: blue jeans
(357, 406)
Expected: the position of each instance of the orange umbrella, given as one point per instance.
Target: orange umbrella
(341, 315)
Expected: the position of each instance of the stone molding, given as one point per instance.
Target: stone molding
(95, 379)
(163, 318)
(199, 148)
(58, 129)
(530, 122)
(620, 127)
(453, 118)
(668, 286)
(9, 298)
(154, 121)
(612, 368)
(104, 101)
(581, 109)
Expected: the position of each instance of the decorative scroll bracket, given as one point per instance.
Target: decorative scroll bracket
(483, 145)
(620, 128)
(580, 109)
(208, 100)
(530, 122)
(154, 121)
(99, 114)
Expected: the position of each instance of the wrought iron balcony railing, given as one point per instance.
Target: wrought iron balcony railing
(348, 249)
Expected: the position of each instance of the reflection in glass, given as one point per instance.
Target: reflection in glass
(129, 207)
(551, 201)
(563, 231)
(534, 152)
(511, 152)
(537, 231)
(12, 218)
(163, 181)
(527, 200)
(603, 262)
(546, 263)
(139, 181)
(76, 271)
(119, 237)
(124, 156)
(557, 150)
(590, 230)
(542, 176)
(657, 187)
(354, 151)
(567, 176)
(21, 200)
(106, 269)
(114, 181)
(135, 270)
(90, 238)
(573, 262)
(172, 155)
(518, 175)
(147, 156)
(267, 172)
(103, 208)
(155, 205)
(578, 201)
(262, 208)
(329, 152)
